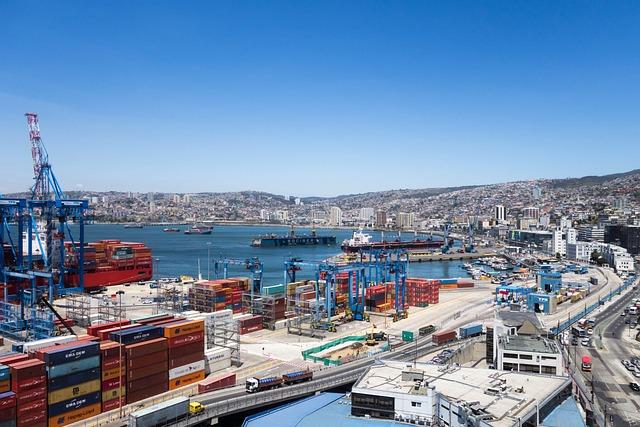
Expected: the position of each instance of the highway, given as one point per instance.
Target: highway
(609, 379)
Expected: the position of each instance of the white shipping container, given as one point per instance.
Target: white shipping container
(217, 354)
(241, 316)
(217, 366)
(186, 369)
(190, 313)
(31, 346)
(280, 324)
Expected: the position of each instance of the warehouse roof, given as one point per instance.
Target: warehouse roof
(529, 343)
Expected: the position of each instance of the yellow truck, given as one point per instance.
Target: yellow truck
(195, 408)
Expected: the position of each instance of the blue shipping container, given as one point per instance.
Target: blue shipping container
(5, 372)
(56, 371)
(73, 379)
(73, 404)
(470, 330)
(71, 354)
(449, 281)
(134, 335)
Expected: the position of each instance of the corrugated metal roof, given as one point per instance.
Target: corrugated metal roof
(326, 409)
(566, 415)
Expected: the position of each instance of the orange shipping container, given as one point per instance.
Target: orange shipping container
(184, 328)
(186, 380)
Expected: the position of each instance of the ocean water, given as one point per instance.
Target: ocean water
(177, 254)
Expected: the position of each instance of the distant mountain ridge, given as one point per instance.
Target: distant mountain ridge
(590, 180)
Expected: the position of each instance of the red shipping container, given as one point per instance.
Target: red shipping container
(112, 404)
(218, 382)
(148, 360)
(93, 330)
(8, 413)
(113, 362)
(8, 402)
(113, 383)
(182, 351)
(28, 383)
(186, 360)
(148, 381)
(31, 394)
(14, 358)
(155, 319)
(110, 349)
(146, 347)
(33, 406)
(165, 322)
(136, 374)
(186, 340)
(33, 419)
(148, 392)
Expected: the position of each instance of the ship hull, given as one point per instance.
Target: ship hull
(275, 242)
(114, 277)
(411, 245)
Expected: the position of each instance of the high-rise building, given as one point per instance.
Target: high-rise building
(381, 218)
(500, 213)
(590, 233)
(335, 216)
(620, 202)
(405, 220)
(565, 223)
(531, 212)
(366, 214)
(572, 235)
(176, 199)
(186, 199)
(558, 244)
(537, 192)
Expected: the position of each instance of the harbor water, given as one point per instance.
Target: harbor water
(178, 254)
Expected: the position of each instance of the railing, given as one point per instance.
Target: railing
(588, 309)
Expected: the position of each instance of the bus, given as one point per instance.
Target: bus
(578, 332)
(586, 364)
(633, 310)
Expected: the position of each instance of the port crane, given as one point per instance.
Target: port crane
(447, 228)
(33, 259)
(253, 264)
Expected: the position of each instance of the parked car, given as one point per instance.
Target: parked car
(634, 386)
(585, 341)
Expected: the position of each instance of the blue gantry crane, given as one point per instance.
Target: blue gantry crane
(253, 264)
(32, 262)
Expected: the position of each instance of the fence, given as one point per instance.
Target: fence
(588, 309)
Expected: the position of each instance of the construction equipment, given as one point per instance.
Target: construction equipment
(445, 248)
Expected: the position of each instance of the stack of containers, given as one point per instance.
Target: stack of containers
(7, 409)
(375, 298)
(250, 324)
(5, 378)
(185, 342)
(113, 381)
(214, 295)
(73, 371)
(29, 383)
(94, 329)
(146, 358)
(422, 292)
(147, 367)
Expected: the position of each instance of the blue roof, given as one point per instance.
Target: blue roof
(565, 415)
(326, 409)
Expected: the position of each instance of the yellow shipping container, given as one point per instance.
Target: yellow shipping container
(73, 391)
(112, 373)
(184, 328)
(113, 394)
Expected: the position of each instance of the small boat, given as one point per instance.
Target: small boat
(199, 229)
(171, 230)
(133, 226)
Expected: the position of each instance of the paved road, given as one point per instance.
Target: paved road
(609, 378)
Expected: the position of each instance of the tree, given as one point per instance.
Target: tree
(596, 257)
(558, 256)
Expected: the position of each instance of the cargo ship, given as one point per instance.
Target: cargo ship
(110, 263)
(292, 239)
(133, 226)
(199, 229)
(363, 241)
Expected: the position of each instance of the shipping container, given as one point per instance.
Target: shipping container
(13, 358)
(186, 369)
(187, 339)
(80, 351)
(113, 383)
(110, 349)
(31, 346)
(183, 328)
(470, 331)
(217, 366)
(113, 362)
(33, 419)
(160, 414)
(30, 407)
(146, 392)
(110, 405)
(146, 347)
(7, 400)
(146, 381)
(73, 391)
(36, 393)
(443, 337)
(5, 372)
(113, 393)
(104, 334)
(8, 414)
(28, 383)
(73, 367)
(195, 348)
(74, 403)
(148, 360)
(155, 318)
(75, 415)
(216, 382)
(186, 380)
(157, 369)
(5, 386)
(134, 335)
(181, 361)
(76, 378)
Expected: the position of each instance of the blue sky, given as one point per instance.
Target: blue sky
(318, 98)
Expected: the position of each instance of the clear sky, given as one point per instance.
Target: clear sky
(318, 98)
